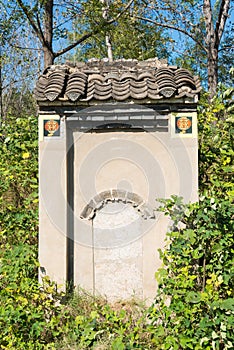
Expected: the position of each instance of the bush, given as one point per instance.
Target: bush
(31, 317)
(194, 308)
(216, 151)
(94, 324)
(18, 181)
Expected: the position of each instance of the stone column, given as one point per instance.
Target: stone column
(52, 198)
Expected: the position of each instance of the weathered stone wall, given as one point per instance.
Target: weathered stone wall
(98, 201)
(114, 137)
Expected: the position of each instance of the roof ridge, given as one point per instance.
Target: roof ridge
(101, 79)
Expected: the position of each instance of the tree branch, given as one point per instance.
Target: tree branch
(204, 274)
(121, 13)
(226, 48)
(36, 26)
(220, 24)
(79, 41)
(170, 26)
(30, 19)
(43, 41)
(24, 48)
(210, 35)
(173, 10)
(93, 32)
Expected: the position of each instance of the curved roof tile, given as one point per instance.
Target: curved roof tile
(120, 80)
(121, 96)
(95, 77)
(128, 76)
(55, 85)
(167, 91)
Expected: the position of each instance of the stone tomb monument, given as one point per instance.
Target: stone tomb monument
(114, 137)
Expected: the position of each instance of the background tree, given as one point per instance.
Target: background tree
(45, 30)
(193, 57)
(20, 59)
(32, 35)
(129, 37)
(50, 23)
(201, 21)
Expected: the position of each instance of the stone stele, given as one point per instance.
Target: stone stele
(114, 138)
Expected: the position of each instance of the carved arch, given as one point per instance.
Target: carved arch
(115, 195)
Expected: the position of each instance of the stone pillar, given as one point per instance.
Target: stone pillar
(52, 198)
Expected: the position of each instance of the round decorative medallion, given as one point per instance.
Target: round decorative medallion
(51, 126)
(183, 124)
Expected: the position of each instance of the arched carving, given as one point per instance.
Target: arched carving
(115, 195)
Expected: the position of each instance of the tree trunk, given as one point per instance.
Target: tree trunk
(48, 33)
(48, 57)
(105, 10)
(213, 37)
(212, 69)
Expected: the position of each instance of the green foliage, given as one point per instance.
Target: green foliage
(192, 55)
(19, 101)
(18, 181)
(34, 316)
(129, 37)
(30, 316)
(17, 64)
(216, 152)
(194, 308)
(97, 325)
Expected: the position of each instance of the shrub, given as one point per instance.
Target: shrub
(95, 324)
(194, 307)
(18, 181)
(31, 317)
(216, 151)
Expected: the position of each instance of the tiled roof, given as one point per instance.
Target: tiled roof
(119, 81)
